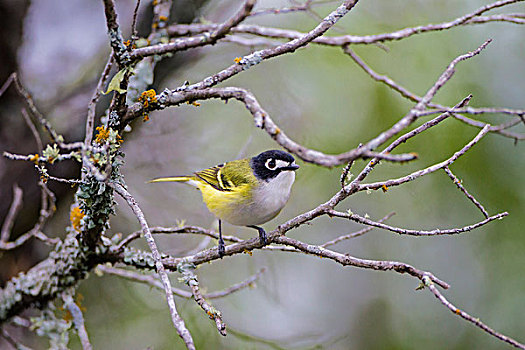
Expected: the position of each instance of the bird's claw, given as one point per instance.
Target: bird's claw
(221, 249)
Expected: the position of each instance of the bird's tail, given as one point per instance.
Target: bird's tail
(184, 179)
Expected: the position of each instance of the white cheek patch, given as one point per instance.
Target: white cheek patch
(281, 164)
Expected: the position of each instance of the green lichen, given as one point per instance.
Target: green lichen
(51, 153)
(55, 329)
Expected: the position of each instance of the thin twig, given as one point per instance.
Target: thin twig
(154, 282)
(33, 129)
(178, 322)
(475, 321)
(236, 287)
(355, 234)
(464, 190)
(419, 233)
(208, 38)
(134, 33)
(142, 278)
(263, 120)
(440, 108)
(16, 204)
(90, 119)
(28, 100)
(347, 260)
(422, 172)
(191, 280)
(278, 33)
(176, 229)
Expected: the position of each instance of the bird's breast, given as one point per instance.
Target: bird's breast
(253, 206)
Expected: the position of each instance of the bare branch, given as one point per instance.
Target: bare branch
(16, 204)
(154, 282)
(142, 278)
(191, 280)
(439, 108)
(259, 56)
(14, 343)
(354, 185)
(178, 322)
(28, 100)
(240, 16)
(402, 231)
(457, 182)
(25, 237)
(264, 121)
(355, 234)
(428, 170)
(347, 260)
(236, 287)
(278, 33)
(475, 321)
(197, 41)
(134, 33)
(90, 119)
(175, 229)
(33, 129)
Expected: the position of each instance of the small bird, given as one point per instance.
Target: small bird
(245, 192)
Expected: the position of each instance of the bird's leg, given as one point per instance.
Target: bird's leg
(262, 234)
(221, 242)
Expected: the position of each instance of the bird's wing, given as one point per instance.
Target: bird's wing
(226, 177)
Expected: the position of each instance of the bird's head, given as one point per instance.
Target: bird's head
(269, 164)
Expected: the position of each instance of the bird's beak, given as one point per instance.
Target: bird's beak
(292, 167)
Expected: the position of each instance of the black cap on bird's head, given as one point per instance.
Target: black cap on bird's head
(269, 164)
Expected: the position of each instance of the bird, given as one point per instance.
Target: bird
(245, 192)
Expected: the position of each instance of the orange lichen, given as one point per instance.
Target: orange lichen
(163, 18)
(75, 216)
(102, 135)
(238, 59)
(384, 188)
(146, 118)
(35, 158)
(67, 316)
(148, 97)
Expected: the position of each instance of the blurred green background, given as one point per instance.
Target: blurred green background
(322, 100)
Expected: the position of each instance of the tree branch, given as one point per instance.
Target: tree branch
(178, 322)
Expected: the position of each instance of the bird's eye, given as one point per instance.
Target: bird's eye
(271, 164)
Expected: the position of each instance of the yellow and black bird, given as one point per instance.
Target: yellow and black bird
(245, 192)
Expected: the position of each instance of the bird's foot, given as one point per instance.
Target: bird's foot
(263, 237)
(221, 248)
